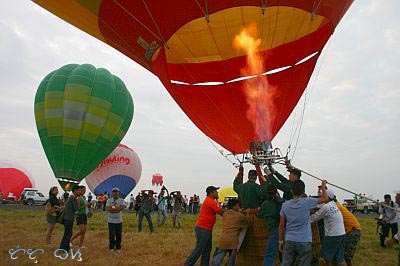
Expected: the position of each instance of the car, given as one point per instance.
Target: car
(31, 196)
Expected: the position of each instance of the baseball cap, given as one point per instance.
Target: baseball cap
(115, 189)
(211, 189)
(330, 193)
(295, 171)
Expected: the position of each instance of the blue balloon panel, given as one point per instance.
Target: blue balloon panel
(125, 184)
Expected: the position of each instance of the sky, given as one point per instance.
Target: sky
(350, 132)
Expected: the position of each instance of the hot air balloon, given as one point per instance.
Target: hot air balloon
(121, 169)
(193, 47)
(157, 180)
(13, 180)
(226, 192)
(82, 113)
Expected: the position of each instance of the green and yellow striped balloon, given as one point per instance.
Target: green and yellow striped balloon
(82, 114)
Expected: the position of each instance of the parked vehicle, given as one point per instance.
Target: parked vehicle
(361, 205)
(31, 196)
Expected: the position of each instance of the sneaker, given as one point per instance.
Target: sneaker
(70, 244)
(118, 251)
(82, 247)
(112, 251)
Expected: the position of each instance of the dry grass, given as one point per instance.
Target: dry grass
(166, 246)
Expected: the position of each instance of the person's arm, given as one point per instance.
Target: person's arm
(324, 196)
(238, 180)
(265, 210)
(320, 214)
(285, 187)
(281, 178)
(75, 204)
(282, 224)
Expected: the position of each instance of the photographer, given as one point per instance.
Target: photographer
(389, 221)
(146, 206)
(177, 209)
(162, 206)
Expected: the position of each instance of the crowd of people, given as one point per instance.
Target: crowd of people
(289, 221)
(288, 218)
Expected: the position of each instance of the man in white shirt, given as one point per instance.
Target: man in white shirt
(333, 244)
(115, 205)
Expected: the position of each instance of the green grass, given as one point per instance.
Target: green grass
(167, 246)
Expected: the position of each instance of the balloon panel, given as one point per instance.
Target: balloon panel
(125, 183)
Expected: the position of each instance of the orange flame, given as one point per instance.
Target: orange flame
(259, 94)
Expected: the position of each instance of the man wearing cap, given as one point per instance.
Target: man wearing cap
(353, 233)
(283, 184)
(251, 194)
(114, 206)
(333, 244)
(204, 227)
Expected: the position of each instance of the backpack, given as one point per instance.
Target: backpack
(60, 216)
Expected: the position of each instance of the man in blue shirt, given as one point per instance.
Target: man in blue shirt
(295, 214)
(162, 206)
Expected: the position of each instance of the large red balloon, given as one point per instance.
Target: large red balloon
(13, 180)
(189, 46)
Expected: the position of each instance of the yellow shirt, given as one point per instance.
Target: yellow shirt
(350, 221)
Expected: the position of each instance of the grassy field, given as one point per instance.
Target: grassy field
(167, 246)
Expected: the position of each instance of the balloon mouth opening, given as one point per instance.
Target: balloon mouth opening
(260, 147)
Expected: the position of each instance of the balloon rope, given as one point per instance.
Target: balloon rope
(349, 191)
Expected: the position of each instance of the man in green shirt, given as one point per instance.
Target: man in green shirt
(270, 209)
(251, 194)
(281, 183)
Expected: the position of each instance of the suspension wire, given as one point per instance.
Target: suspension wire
(348, 191)
(308, 93)
(226, 157)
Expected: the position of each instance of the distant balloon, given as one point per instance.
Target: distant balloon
(13, 180)
(157, 180)
(226, 192)
(82, 113)
(121, 169)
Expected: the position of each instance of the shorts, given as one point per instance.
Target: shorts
(333, 248)
(81, 219)
(51, 219)
(350, 243)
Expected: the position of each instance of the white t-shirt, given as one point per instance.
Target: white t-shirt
(388, 212)
(115, 217)
(333, 219)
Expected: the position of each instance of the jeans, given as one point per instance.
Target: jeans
(385, 232)
(163, 213)
(148, 218)
(296, 251)
(202, 248)
(68, 225)
(271, 250)
(220, 254)
(115, 235)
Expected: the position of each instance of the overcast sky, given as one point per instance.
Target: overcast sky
(350, 133)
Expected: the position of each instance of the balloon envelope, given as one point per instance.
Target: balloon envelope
(121, 169)
(82, 113)
(157, 180)
(13, 180)
(189, 46)
(226, 192)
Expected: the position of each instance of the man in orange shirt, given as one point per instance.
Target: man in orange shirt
(204, 227)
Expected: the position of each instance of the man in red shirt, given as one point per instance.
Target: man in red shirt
(203, 229)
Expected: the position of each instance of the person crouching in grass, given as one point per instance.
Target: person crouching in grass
(114, 206)
(270, 210)
(232, 223)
